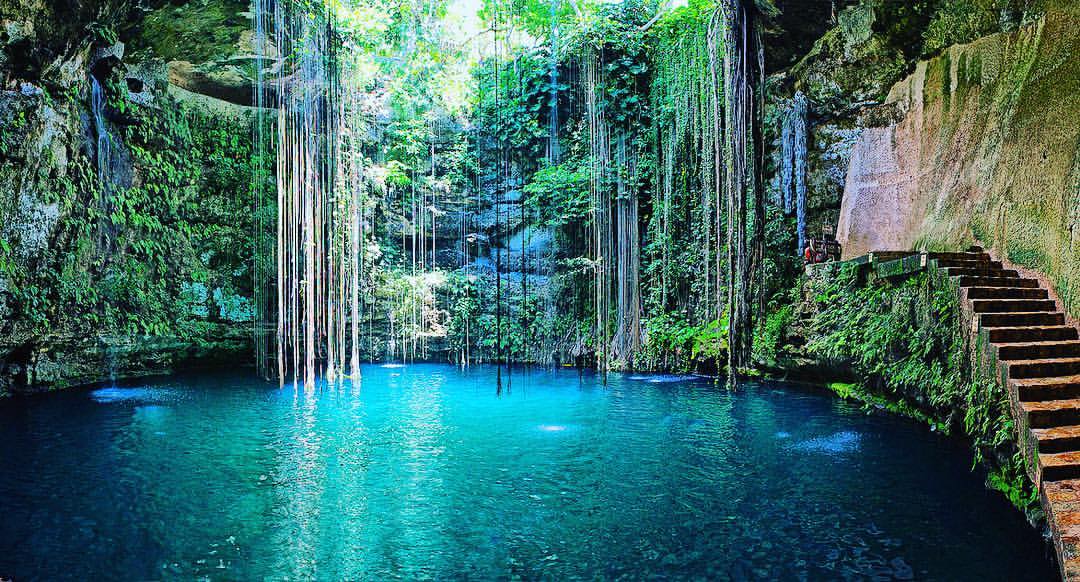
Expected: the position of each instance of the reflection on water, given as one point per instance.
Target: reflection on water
(424, 472)
(141, 394)
(665, 378)
(841, 442)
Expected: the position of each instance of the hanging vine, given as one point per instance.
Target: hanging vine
(304, 97)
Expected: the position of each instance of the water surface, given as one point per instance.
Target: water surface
(425, 472)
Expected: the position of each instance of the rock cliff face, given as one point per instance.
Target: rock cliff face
(847, 75)
(124, 202)
(979, 145)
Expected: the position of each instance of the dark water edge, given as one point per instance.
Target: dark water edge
(424, 471)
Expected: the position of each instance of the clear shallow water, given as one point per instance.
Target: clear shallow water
(423, 472)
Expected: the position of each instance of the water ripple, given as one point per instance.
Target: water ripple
(421, 472)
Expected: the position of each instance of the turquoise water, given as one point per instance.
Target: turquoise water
(425, 472)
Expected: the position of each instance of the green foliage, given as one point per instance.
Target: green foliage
(771, 333)
(196, 31)
(886, 332)
(534, 16)
(397, 174)
(473, 326)
(514, 103)
(560, 195)
(185, 217)
(673, 343)
(103, 34)
(905, 339)
(781, 266)
(464, 300)
(652, 92)
(176, 209)
(1029, 256)
(960, 21)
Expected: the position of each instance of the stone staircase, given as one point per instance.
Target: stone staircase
(1032, 350)
(1038, 358)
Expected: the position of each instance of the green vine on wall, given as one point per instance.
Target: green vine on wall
(905, 340)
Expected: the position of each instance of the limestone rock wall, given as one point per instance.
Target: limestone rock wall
(866, 48)
(979, 145)
(145, 234)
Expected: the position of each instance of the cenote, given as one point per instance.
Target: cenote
(424, 471)
(595, 233)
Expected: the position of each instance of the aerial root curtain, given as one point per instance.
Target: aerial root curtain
(791, 190)
(708, 120)
(614, 232)
(311, 199)
(309, 203)
(743, 105)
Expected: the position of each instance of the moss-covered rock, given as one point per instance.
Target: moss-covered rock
(850, 70)
(197, 31)
(206, 46)
(985, 150)
(111, 214)
(904, 342)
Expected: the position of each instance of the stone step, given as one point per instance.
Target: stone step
(1052, 388)
(1048, 368)
(970, 256)
(883, 256)
(1051, 413)
(1034, 333)
(1038, 350)
(1012, 305)
(967, 263)
(1041, 318)
(968, 281)
(1040, 357)
(1058, 439)
(1058, 466)
(1006, 293)
(981, 272)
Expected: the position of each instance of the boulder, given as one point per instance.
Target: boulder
(225, 82)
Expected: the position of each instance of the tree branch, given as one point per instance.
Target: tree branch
(659, 13)
(577, 9)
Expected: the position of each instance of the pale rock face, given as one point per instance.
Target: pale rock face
(41, 148)
(836, 145)
(981, 147)
(36, 222)
(880, 210)
(72, 72)
(225, 82)
(113, 53)
(143, 79)
(876, 212)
